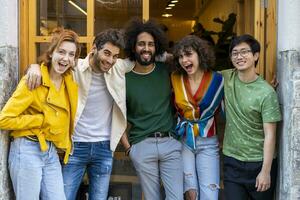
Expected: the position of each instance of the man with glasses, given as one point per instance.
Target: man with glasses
(252, 111)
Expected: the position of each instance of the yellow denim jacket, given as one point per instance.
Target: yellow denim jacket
(40, 113)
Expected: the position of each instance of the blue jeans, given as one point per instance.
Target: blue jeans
(95, 158)
(155, 158)
(202, 168)
(35, 174)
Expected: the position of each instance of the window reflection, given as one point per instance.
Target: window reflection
(42, 47)
(115, 13)
(69, 14)
(177, 20)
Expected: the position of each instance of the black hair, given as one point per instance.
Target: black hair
(135, 27)
(205, 52)
(248, 39)
(114, 36)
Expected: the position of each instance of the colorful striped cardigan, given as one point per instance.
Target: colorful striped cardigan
(196, 113)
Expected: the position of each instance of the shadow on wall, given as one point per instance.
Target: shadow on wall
(224, 38)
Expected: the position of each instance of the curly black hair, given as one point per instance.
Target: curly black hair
(135, 27)
(203, 49)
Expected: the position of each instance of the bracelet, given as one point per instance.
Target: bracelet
(127, 151)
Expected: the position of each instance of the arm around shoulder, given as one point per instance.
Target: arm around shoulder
(34, 76)
(124, 65)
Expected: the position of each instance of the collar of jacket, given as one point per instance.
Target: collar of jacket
(45, 75)
(71, 86)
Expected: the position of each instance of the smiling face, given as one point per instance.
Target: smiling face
(189, 61)
(242, 57)
(102, 60)
(63, 57)
(145, 49)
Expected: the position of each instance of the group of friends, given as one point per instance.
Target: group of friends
(165, 119)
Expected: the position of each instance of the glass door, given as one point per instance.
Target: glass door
(86, 17)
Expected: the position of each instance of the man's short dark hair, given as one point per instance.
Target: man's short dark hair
(114, 36)
(248, 39)
(137, 26)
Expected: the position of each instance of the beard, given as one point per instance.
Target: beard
(96, 60)
(141, 61)
(97, 63)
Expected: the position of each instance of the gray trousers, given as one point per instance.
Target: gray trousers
(155, 159)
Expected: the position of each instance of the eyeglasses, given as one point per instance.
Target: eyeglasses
(243, 53)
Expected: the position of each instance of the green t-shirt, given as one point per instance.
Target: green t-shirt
(148, 100)
(247, 107)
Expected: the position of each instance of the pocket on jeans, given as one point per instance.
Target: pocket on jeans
(12, 156)
(26, 146)
(81, 146)
(231, 169)
(105, 145)
(131, 150)
(253, 169)
(178, 144)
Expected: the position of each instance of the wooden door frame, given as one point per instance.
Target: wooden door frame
(260, 22)
(264, 26)
(28, 30)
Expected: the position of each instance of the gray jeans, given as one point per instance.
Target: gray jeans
(155, 158)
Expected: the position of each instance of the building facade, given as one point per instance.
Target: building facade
(9, 68)
(26, 27)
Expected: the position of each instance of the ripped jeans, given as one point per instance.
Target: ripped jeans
(96, 159)
(202, 168)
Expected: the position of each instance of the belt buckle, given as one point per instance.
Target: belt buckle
(158, 134)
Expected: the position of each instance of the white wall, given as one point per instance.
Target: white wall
(8, 80)
(288, 25)
(9, 22)
(288, 73)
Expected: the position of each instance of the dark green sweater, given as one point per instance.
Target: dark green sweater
(148, 100)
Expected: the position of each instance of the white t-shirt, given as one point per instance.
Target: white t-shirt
(94, 124)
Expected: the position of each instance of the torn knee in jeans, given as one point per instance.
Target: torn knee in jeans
(191, 194)
(213, 186)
